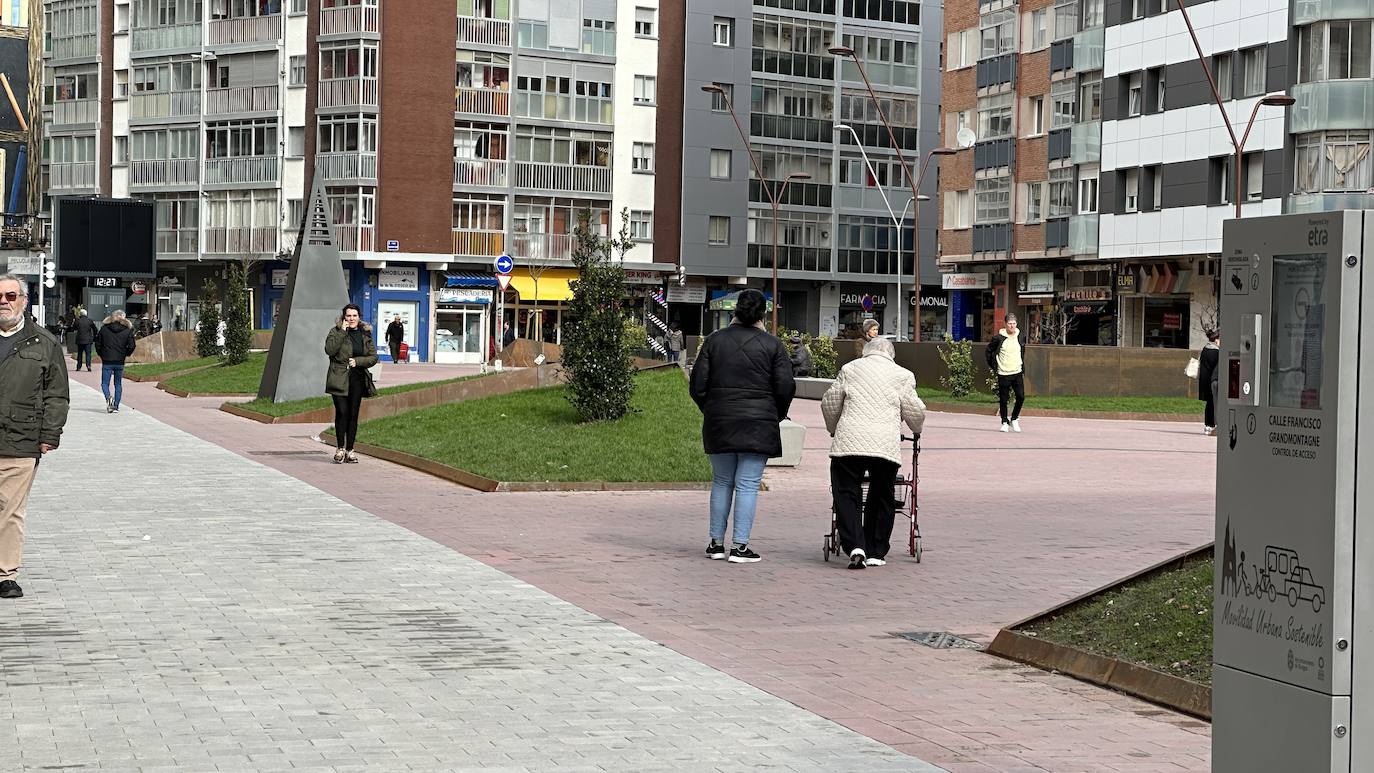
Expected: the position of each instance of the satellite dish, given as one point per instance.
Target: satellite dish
(965, 138)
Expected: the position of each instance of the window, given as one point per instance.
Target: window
(788, 46)
(642, 158)
(641, 225)
(1063, 106)
(957, 209)
(992, 200)
(720, 164)
(1156, 85)
(1137, 9)
(994, 117)
(1087, 195)
(1065, 19)
(719, 230)
(1090, 97)
(888, 61)
(297, 71)
(121, 150)
(962, 49)
(998, 33)
(644, 22)
(646, 89)
(1221, 69)
(1333, 161)
(295, 141)
(1254, 176)
(1094, 13)
(598, 37)
(1157, 182)
(723, 32)
(1061, 192)
(1035, 202)
(1253, 71)
(1132, 187)
(1135, 96)
(1040, 31)
(298, 6)
(721, 100)
(1037, 115)
(1336, 50)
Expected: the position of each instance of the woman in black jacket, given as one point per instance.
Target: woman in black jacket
(1207, 380)
(742, 381)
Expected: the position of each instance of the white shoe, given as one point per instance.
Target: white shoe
(856, 558)
(874, 562)
(1206, 430)
(1006, 427)
(1015, 425)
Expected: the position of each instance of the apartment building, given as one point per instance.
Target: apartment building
(840, 256)
(224, 111)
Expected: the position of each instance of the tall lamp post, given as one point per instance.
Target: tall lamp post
(915, 181)
(774, 192)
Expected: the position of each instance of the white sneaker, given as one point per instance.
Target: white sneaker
(874, 562)
(856, 558)
(1206, 430)
(1006, 427)
(1015, 425)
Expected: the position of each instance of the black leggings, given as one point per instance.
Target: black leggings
(346, 409)
(1006, 386)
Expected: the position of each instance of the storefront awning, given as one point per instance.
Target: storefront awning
(722, 301)
(469, 279)
(553, 285)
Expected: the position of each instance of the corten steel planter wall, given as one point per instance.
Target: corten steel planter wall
(170, 345)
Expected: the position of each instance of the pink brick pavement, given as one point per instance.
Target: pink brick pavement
(1013, 524)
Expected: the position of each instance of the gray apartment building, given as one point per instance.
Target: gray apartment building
(840, 258)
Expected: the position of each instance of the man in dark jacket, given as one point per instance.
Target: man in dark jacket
(1006, 359)
(33, 411)
(85, 338)
(395, 334)
(115, 344)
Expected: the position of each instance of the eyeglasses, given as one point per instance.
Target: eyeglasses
(11, 296)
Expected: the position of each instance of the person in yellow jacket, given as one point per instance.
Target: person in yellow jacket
(1006, 357)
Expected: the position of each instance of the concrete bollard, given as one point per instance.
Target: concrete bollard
(793, 442)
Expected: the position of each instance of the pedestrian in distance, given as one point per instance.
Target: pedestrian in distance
(115, 342)
(801, 358)
(85, 329)
(351, 352)
(1006, 356)
(1207, 377)
(395, 334)
(864, 410)
(675, 340)
(869, 329)
(34, 399)
(507, 335)
(742, 382)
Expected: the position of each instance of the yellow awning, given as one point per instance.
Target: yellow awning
(553, 284)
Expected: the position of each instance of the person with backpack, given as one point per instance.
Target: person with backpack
(115, 342)
(1006, 356)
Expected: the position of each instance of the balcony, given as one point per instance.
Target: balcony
(246, 29)
(482, 102)
(481, 244)
(348, 92)
(347, 166)
(1087, 143)
(348, 20)
(74, 111)
(164, 104)
(74, 47)
(1330, 105)
(562, 178)
(72, 175)
(243, 169)
(240, 240)
(476, 171)
(353, 238)
(152, 40)
(1083, 234)
(176, 171)
(484, 32)
(241, 99)
(1089, 49)
(543, 246)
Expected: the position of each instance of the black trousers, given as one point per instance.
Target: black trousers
(395, 347)
(346, 410)
(866, 525)
(1005, 385)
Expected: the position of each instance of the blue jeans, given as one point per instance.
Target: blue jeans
(84, 350)
(737, 477)
(674, 356)
(117, 373)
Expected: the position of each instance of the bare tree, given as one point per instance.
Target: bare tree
(1208, 316)
(1054, 326)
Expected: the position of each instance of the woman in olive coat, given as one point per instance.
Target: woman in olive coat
(351, 352)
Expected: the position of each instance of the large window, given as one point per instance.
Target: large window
(1065, 19)
(642, 157)
(162, 144)
(235, 139)
(791, 111)
(641, 225)
(887, 61)
(869, 245)
(992, 200)
(1090, 97)
(899, 11)
(1333, 161)
(1336, 50)
(998, 33)
(173, 76)
(64, 88)
(994, 116)
(163, 13)
(1061, 192)
(348, 134)
(1253, 62)
(483, 70)
(177, 216)
(958, 209)
(547, 145)
(347, 60)
(563, 99)
(598, 37)
(1063, 104)
(723, 32)
(720, 164)
(793, 47)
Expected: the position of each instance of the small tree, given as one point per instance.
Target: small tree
(207, 331)
(824, 359)
(958, 359)
(238, 332)
(599, 370)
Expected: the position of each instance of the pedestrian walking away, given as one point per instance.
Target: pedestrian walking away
(115, 342)
(801, 358)
(675, 339)
(395, 334)
(742, 382)
(1207, 373)
(864, 411)
(351, 352)
(507, 335)
(86, 331)
(34, 398)
(1006, 357)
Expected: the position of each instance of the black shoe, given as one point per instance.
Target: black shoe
(857, 558)
(109, 407)
(715, 551)
(9, 589)
(743, 555)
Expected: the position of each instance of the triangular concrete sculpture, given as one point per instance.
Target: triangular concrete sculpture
(316, 291)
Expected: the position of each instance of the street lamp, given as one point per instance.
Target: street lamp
(906, 169)
(773, 192)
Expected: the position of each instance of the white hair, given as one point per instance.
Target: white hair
(880, 346)
(117, 314)
(23, 286)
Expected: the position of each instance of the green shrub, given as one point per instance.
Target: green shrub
(238, 322)
(600, 372)
(207, 334)
(958, 359)
(823, 357)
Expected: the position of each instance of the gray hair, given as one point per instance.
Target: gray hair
(880, 346)
(117, 314)
(1011, 316)
(23, 286)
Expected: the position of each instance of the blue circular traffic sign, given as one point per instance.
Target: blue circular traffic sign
(504, 264)
(867, 303)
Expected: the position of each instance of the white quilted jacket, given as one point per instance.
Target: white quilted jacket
(865, 408)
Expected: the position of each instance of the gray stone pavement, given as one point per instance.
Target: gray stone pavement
(191, 610)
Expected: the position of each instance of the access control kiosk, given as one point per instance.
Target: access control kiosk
(1293, 680)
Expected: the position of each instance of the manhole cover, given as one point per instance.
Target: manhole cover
(940, 640)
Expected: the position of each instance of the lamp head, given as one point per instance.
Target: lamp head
(799, 176)
(712, 88)
(943, 152)
(1278, 100)
(841, 50)
(843, 127)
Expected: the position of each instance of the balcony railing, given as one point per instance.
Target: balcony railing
(69, 111)
(347, 166)
(486, 32)
(164, 104)
(1087, 143)
(482, 101)
(1083, 234)
(173, 36)
(348, 92)
(543, 246)
(248, 29)
(244, 169)
(238, 240)
(80, 174)
(241, 99)
(348, 20)
(476, 171)
(481, 244)
(1330, 105)
(1089, 49)
(175, 171)
(74, 47)
(353, 238)
(571, 178)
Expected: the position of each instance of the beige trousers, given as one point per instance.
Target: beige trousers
(16, 478)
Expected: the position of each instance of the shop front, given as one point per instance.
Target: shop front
(461, 319)
(859, 303)
(388, 292)
(933, 312)
(721, 310)
(1156, 305)
(1090, 300)
(1035, 295)
(274, 278)
(966, 303)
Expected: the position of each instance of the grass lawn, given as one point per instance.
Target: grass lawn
(231, 379)
(1164, 622)
(147, 369)
(1071, 403)
(323, 401)
(534, 436)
